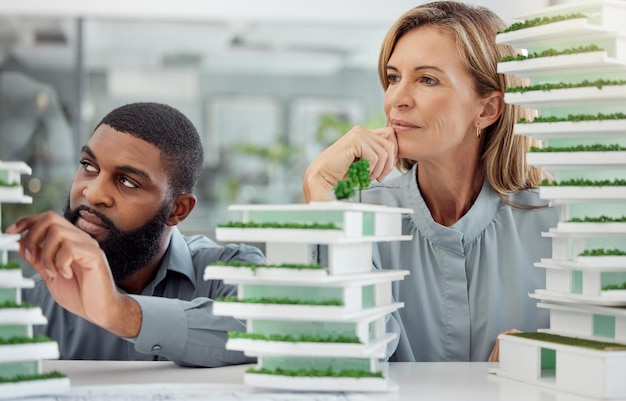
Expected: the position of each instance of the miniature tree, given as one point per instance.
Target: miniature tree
(344, 189)
(358, 177)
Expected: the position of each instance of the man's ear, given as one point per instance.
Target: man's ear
(492, 109)
(183, 205)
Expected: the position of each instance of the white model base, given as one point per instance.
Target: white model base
(33, 388)
(18, 315)
(8, 242)
(570, 129)
(609, 299)
(596, 62)
(348, 350)
(286, 235)
(552, 160)
(318, 277)
(29, 352)
(585, 230)
(301, 312)
(13, 279)
(14, 195)
(565, 194)
(578, 370)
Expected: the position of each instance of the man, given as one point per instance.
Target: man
(117, 280)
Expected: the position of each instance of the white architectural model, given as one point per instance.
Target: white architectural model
(20, 352)
(580, 95)
(313, 327)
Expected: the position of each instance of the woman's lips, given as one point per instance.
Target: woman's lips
(402, 126)
(91, 223)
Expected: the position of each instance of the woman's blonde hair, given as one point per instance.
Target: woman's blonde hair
(474, 29)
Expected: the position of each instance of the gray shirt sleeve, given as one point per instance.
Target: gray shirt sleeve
(183, 328)
(186, 332)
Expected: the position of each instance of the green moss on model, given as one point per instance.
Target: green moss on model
(598, 83)
(577, 342)
(25, 340)
(307, 338)
(12, 304)
(575, 117)
(599, 219)
(317, 372)
(541, 21)
(552, 53)
(253, 267)
(4, 183)
(298, 226)
(281, 301)
(9, 266)
(612, 287)
(602, 252)
(579, 148)
(583, 182)
(24, 378)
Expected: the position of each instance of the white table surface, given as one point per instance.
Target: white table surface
(416, 381)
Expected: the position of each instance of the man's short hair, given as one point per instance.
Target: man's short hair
(171, 132)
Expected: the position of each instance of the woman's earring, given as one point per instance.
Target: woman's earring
(479, 131)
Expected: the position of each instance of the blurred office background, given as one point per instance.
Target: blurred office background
(268, 84)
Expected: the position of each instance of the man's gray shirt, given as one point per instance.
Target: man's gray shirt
(177, 319)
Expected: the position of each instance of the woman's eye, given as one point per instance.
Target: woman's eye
(429, 81)
(393, 78)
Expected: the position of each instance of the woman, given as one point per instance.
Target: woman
(478, 217)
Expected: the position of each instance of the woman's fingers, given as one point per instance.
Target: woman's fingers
(495, 352)
(383, 145)
(378, 147)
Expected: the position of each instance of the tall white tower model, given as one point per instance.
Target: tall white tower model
(311, 326)
(21, 352)
(577, 69)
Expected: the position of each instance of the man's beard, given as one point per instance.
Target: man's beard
(127, 252)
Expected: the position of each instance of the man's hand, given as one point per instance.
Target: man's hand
(76, 272)
(379, 147)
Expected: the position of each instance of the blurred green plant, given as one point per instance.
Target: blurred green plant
(280, 152)
(331, 127)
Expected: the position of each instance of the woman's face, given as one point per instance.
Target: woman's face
(430, 101)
